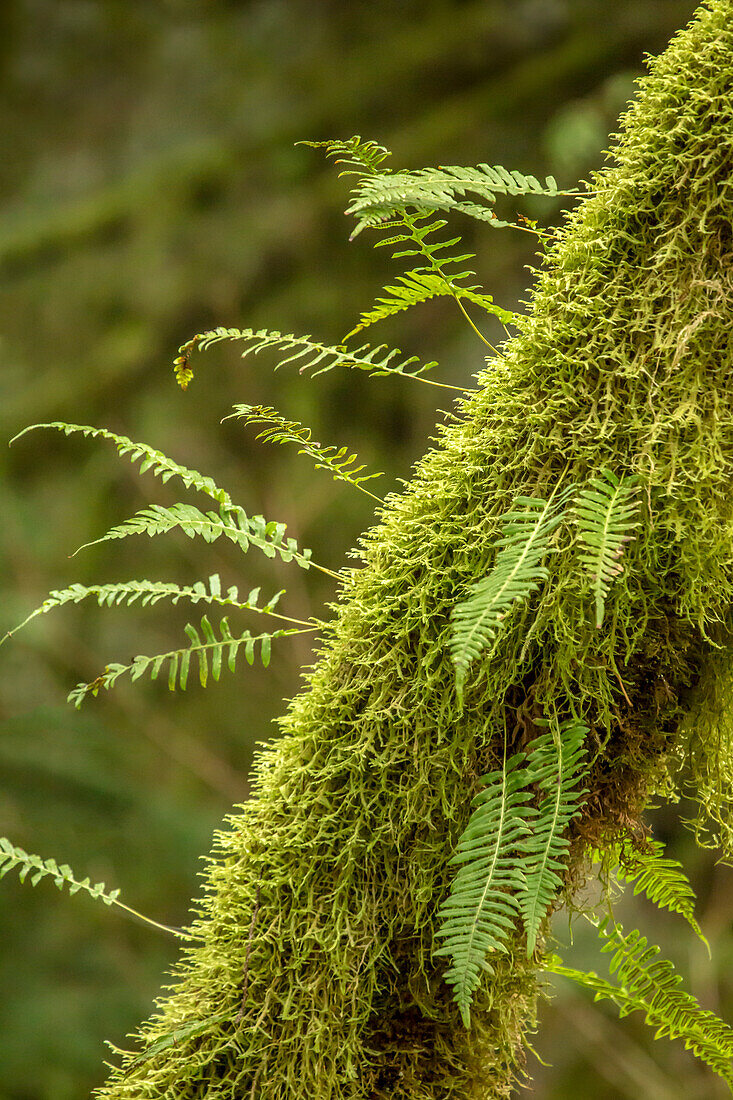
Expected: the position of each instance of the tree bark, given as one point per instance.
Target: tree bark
(328, 881)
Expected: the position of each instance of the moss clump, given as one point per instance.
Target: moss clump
(625, 360)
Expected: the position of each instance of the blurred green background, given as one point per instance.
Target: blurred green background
(151, 188)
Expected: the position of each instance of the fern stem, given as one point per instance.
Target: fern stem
(326, 571)
(178, 932)
(475, 327)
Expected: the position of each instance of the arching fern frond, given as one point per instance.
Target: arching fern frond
(482, 907)
(230, 522)
(420, 286)
(518, 571)
(605, 513)
(380, 196)
(33, 868)
(650, 985)
(178, 661)
(555, 766)
(127, 593)
(337, 460)
(309, 354)
(414, 238)
(150, 460)
(661, 880)
(359, 157)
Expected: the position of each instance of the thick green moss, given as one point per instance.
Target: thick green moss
(624, 361)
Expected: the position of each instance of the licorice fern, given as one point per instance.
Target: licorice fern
(483, 903)
(662, 881)
(415, 238)
(358, 156)
(34, 868)
(649, 984)
(606, 511)
(231, 523)
(554, 768)
(428, 190)
(173, 1038)
(337, 460)
(517, 572)
(179, 661)
(154, 461)
(420, 286)
(147, 593)
(310, 354)
(511, 855)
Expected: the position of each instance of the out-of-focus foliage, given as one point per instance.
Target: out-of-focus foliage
(151, 189)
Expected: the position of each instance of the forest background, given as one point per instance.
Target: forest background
(151, 189)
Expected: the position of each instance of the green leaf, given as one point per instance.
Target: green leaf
(161, 466)
(232, 523)
(482, 906)
(336, 460)
(555, 766)
(311, 355)
(382, 195)
(605, 514)
(202, 647)
(661, 880)
(649, 984)
(518, 571)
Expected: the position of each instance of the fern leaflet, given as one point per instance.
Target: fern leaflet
(430, 278)
(517, 572)
(155, 461)
(605, 514)
(127, 593)
(337, 460)
(34, 868)
(419, 286)
(179, 660)
(309, 354)
(381, 195)
(663, 881)
(555, 765)
(482, 906)
(358, 156)
(650, 984)
(231, 522)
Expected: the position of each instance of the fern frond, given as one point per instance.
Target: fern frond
(518, 571)
(231, 522)
(420, 286)
(428, 190)
(154, 461)
(663, 881)
(314, 356)
(675, 1016)
(482, 906)
(650, 985)
(34, 868)
(178, 661)
(358, 156)
(642, 973)
(127, 593)
(605, 514)
(555, 766)
(337, 460)
(430, 278)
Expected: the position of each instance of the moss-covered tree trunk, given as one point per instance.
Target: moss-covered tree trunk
(625, 361)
